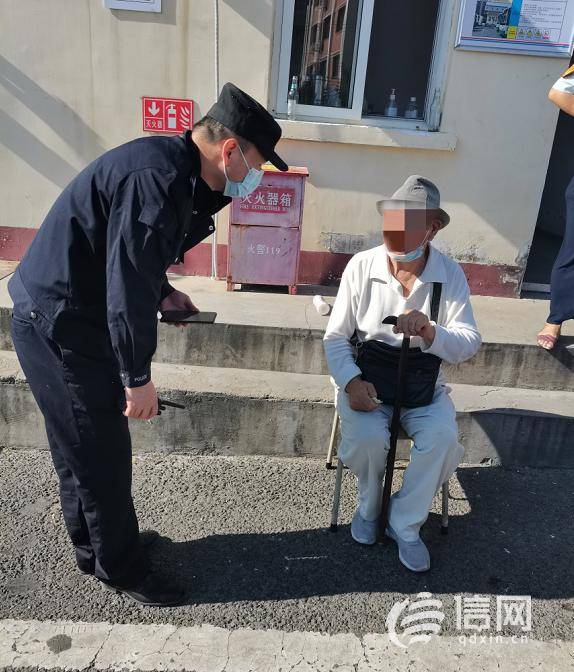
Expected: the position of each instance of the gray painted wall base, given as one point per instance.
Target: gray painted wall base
(301, 351)
(237, 425)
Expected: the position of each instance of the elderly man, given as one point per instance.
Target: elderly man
(409, 278)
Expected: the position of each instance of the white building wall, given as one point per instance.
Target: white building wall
(72, 74)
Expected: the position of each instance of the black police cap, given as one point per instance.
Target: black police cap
(243, 115)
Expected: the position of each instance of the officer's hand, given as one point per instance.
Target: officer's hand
(141, 402)
(415, 323)
(361, 395)
(178, 301)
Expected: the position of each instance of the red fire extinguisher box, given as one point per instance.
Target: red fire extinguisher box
(265, 231)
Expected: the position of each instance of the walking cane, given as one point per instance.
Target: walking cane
(395, 426)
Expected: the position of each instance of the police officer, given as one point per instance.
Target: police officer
(86, 296)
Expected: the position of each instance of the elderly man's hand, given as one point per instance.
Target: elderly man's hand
(361, 395)
(415, 323)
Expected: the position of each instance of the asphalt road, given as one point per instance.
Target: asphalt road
(249, 538)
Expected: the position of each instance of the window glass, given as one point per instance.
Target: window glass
(340, 19)
(371, 58)
(335, 66)
(323, 56)
(400, 54)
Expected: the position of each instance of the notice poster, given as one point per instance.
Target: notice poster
(537, 27)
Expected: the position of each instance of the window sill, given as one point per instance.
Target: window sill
(367, 135)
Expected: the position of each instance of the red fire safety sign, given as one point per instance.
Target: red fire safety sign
(167, 115)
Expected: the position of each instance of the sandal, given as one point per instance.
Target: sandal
(547, 341)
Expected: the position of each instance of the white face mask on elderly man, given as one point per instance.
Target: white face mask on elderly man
(415, 254)
(406, 234)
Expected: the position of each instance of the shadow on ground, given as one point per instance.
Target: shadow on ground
(515, 540)
(249, 539)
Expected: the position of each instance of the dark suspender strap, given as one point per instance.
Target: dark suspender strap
(435, 300)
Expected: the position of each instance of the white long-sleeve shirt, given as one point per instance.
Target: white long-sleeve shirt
(369, 292)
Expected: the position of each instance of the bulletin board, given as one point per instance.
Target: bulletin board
(534, 27)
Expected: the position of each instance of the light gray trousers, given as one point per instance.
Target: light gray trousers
(435, 456)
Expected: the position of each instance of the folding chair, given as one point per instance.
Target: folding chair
(331, 453)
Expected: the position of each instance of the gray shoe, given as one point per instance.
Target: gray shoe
(413, 554)
(364, 531)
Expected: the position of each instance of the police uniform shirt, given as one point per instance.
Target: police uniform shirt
(95, 274)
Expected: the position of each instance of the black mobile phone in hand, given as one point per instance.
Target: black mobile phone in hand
(188, 316)
(161, 404)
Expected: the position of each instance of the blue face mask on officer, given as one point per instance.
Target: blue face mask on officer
(247, 185)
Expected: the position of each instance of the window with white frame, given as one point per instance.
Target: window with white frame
(378, 62)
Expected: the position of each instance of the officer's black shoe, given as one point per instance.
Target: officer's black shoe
(152, 591)
(147, 538)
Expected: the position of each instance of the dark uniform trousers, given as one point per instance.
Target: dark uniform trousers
(81, 399)
(86, 295)
(562, 278)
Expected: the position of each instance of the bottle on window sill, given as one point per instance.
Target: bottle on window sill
(412, 111)
(333, 97)
(391, 108)
(292, 98)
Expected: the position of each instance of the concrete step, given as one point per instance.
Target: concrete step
(301, 351)
(231, 411)
(297, 350)
(277, 332)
